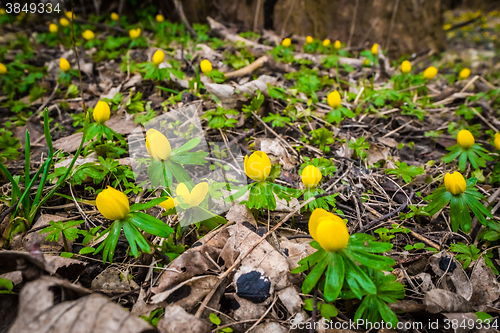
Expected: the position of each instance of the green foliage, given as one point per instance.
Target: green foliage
(405, 171)
(219, 119)
(320, 137)
(359, 147)
(327, 311)
(476, 155)
(155, 316)
(6, 286)
(254, 105)
(68, 231)
(324, 165)
(9, 145)
(466, 254)
(276, 119)
(386, 234)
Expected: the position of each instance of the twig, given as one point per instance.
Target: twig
(484, 119)
(264, 315)
(48, 99)
(425, 240)
(391, 28)
(7, 211)
(471, 81)
(394, 212)
(353, 24)
(275, 134)
(247, 69)
(180, 11)
(257, 15)
(463, 24)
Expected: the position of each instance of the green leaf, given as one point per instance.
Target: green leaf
(67, 254)
(328, 311)
(150, 224)
(7, 285)
(312, 279)
(87, 250)
(146, 205)
(334, 276)
(214, 319)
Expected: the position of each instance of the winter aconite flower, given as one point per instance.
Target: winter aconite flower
(258, 166)
(455, 183)
(157, 145)
(160, 18)
(70, 15)
(169, 203)
(311, 176)
(333, 99)
(64, 65)
(114, 16)
(337, 45)
(101, 112)
(374, 49)
(465, 139)
(328, 230)
(430, 73)
(406, 67)
(158, 57)
(112, 204)
(53, 28)
(134, 33)
(326, 42)
(88, 35)
(464, 74)
(64, 22)
(206, 66)
(309, 39)
(3, 69)
(497, 135)
(286, 42)
(195, 197)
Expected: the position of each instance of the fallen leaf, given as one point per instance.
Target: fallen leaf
(440, 300)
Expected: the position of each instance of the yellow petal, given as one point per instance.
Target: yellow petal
(157, 145)
(64, 65)
(465, 139)
(455, 183)
(114, 16)
(286, 42)
(332, 233)
(101, 112)
(337, 45)
(314, 220)
(183, 192)
(375, 49)
(430, 73)
(406, 67)
(206, 66)
(258, 166)
(198, 194)
(168, 204)
(3, 68)
(497, 141)
(326, 42)
(64, 22)
(112, 204)
(464, 74)
(53, 28)
(309, 40)
(311, 176)
(158, 57)
(160, 18)
(333, 99)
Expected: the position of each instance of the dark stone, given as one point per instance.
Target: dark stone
(253, 286)
(445, 262)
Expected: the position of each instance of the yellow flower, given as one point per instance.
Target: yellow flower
(53, 28)
(195, 197)
(366, 62)
(465, 139)
(169, 203)
(328, 230)
(158, 57)
(101, 112)
(70, 15)
(375, 49)
(447, 26)
(257, 166)
(64, 22)
(88, 35)
(2, 11)
(497, 141)
(160, 18)
(430, 73)
(309, 39)
(206, 66)
(326, 42)
(114, 16)
(464, 74)
(455, 183)
(311, 176)
(64, 65)
(337, 45)
(112, 204)
(333, 99)
(406, 67)
(157, 145)
(134, 33)
(286, 42)
(3, 68)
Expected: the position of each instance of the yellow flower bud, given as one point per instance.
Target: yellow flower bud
(53, 28)
(328, 230)
(337, 45)
(497, 141)
(134, 33)
(88, 35)
(3, 68)
(430, 73)
(101, 112)
(326, 42)
(157, 145)
(464, 74)
(465, 139)
(64, 22)
(406, 67)
(158, 57)
(112, 204)
(375, 49)
(64, 65)
(195, 197)
(366, 62)
(447, 26)
(114, 16)
(286, 42)
(70, 15)
(169, 203)
(206, 66)
(311, 176)
(309, 39)
(160, 18)
(257, 166)
(455, 183)
(2, 11)
(333, 99)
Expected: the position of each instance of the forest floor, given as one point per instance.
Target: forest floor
(224, 255)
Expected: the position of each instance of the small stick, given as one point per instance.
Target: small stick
(484, 119)
(247, 69)
(263, 316)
